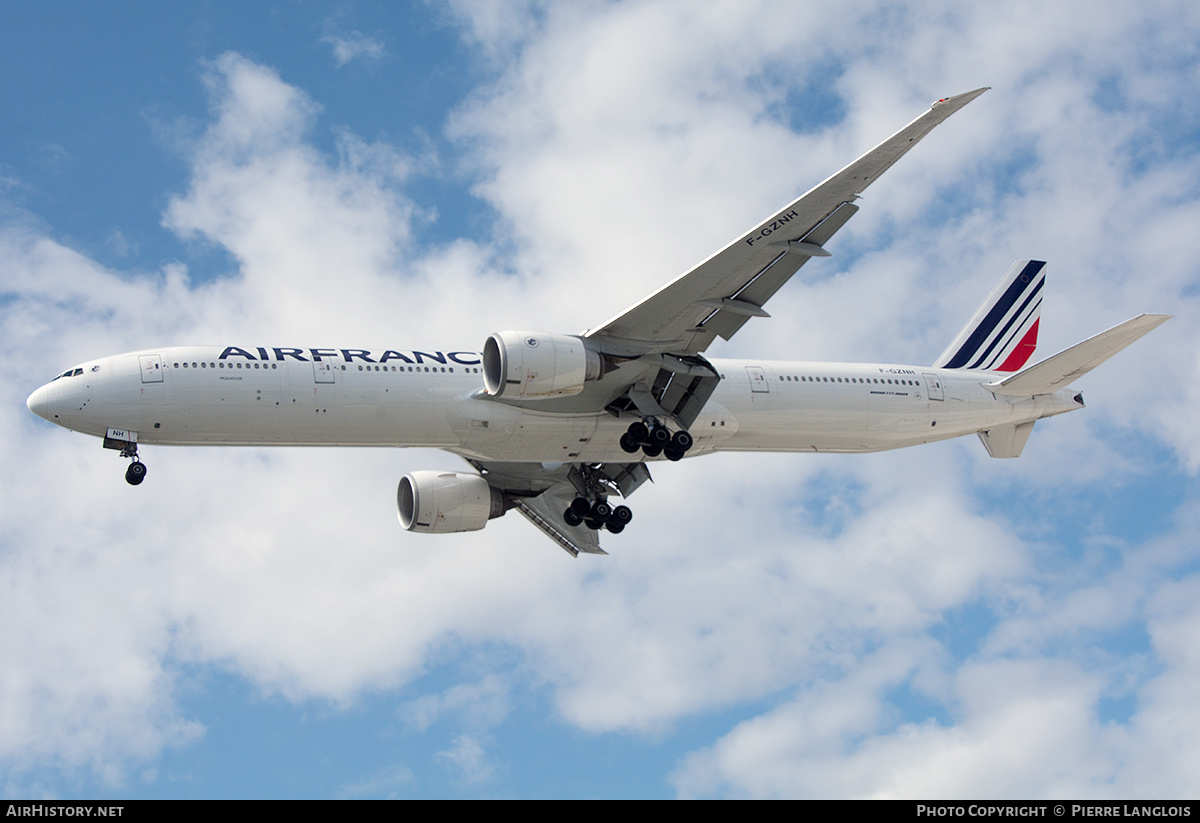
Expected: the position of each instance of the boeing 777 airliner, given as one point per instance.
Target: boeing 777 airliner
(555, 425)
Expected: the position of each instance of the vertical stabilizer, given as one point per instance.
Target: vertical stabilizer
(1003, 333)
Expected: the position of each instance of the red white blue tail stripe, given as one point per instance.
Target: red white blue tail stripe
(1002, 335)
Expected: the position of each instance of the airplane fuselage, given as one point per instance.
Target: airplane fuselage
(376, 397)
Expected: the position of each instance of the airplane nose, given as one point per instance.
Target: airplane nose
(39, 402)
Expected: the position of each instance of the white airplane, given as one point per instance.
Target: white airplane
(555, 425)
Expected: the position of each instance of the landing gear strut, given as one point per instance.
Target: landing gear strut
(654, 439)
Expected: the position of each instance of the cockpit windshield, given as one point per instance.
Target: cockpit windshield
(69, 373)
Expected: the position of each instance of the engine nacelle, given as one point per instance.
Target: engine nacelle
(532, 365)
(444, 502)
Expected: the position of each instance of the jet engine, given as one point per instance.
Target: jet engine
(444, 502)
(532, 365)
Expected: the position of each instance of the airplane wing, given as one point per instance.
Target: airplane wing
(718, 296)
(544, 491)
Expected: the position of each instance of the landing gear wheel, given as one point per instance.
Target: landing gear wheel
(601, 511)
(581, 507)
(638, 432)
(135, 474)
(628, 444)
(660, 436)
(618, 520)
(673, 454)
(571, 517)
(682, 441)
(652, 451)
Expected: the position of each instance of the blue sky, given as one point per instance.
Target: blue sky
(928, 622)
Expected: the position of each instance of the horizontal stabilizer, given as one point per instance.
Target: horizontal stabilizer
(1006, 441)
(1056, 372)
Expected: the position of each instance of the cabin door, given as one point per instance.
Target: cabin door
(758, 380)
(934, 384)
(151, 368)
(322, 372)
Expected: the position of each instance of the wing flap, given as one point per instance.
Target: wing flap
(1056, 372)
(546, 512)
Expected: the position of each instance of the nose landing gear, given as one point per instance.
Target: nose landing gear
(125, 442)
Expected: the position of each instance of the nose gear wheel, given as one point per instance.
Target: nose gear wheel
(136, 473)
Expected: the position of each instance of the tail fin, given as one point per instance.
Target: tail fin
(1002, 335)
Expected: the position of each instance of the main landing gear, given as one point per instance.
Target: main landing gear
(654, 439)
(136, 473)
(593, 487)
(598, 515)
(591, 508)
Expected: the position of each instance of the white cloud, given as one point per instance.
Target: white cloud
(468, 759)
(482, 705)
(1025, 724)
(353, 45)
(389, 782)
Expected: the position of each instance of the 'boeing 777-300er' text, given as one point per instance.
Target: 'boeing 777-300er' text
(556, 425)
